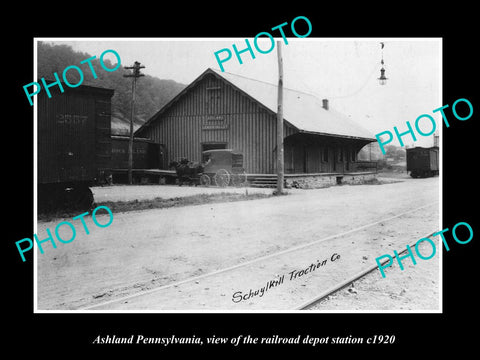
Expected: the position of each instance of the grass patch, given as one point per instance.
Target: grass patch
(160, 203)
(376, 181)
(373, 181)
(58, 214)
(157, 203)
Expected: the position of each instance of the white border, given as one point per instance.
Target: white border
(35, 177)
(307, 312)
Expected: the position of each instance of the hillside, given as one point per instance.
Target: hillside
(151, 93)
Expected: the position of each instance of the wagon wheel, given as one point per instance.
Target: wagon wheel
(205, 180)
(222, 178)
(239, 178)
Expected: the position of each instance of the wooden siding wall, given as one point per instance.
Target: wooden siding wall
(66, 138)
(73, 132)
(212, 111)
(103, 132)
(304, 153)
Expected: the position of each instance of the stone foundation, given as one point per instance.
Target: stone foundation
(317, 181)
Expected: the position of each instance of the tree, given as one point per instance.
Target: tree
(152, 93)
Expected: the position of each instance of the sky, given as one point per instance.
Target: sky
(343, 70)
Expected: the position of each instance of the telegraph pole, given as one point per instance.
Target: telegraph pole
(135, 74)
(280, 121)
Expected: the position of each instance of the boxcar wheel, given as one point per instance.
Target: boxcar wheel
(79, 198)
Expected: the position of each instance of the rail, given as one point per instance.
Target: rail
(302, 306)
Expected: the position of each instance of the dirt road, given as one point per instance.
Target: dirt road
(414, 288)
(148, 249)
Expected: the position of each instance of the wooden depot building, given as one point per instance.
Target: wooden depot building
(221, 110)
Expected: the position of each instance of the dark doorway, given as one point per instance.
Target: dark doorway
(162, 156)
(334, 159)
(213, 146)
(305, 159)
(347, 158)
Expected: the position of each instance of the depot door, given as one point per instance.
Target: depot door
(213, 146)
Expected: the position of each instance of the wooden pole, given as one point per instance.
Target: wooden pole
(130, 140)
(136, 73)
(280, 175)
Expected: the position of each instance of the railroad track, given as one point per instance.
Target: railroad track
(316, 299)
(302, 306)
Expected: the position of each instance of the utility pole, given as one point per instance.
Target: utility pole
(135, 74)
(280, 121)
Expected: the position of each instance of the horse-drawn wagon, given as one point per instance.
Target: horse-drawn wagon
(221, 167)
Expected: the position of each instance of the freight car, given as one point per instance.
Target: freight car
(147, 160)
(73, 145)
(422, 162)
(146, 153)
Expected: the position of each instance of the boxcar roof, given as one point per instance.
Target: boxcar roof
(81, 89)
(304, 111)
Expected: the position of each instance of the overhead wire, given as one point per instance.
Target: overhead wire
(358, 90)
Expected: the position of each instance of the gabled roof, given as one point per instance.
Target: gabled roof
(303, 111)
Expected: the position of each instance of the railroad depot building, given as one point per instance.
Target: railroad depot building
(219, 110)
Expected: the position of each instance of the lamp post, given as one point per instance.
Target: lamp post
(382, 79)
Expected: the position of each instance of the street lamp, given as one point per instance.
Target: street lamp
(382, 79)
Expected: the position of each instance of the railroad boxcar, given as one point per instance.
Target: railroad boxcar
(73, 145)
(422, 162)
(147, 155)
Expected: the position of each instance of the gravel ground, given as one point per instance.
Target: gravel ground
(417, 287)
(356, 251)
(143, 250)
(149, 192)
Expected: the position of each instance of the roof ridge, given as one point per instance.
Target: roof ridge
(304, 111)
(265, 82)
